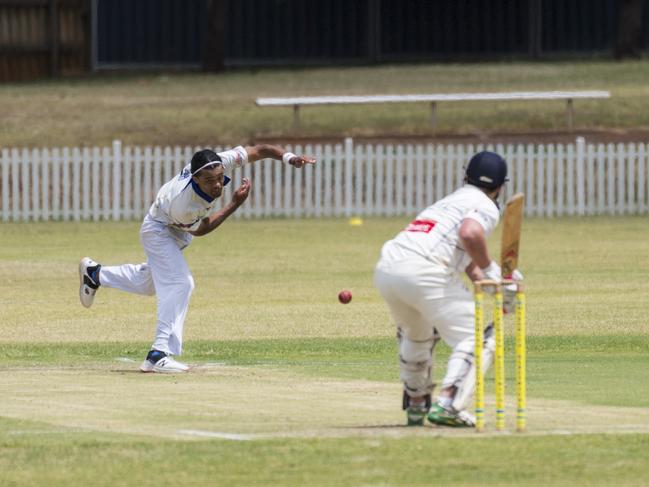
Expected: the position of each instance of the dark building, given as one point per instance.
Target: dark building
(70, 36)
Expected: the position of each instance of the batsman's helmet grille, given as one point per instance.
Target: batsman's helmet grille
(486, 170)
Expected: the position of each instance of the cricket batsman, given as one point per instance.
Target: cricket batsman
(185, 207)
(419, 274)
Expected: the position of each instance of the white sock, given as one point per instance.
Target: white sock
(445, 402)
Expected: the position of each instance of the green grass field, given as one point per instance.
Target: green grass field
(147, 109)
(292, 388)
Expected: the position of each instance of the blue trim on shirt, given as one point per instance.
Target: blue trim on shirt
(200, 192)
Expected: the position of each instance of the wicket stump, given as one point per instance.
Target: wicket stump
(499, 355)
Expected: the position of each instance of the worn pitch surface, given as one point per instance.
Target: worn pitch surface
(246, 403)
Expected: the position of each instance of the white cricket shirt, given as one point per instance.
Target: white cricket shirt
(181, 204)
(435, 233)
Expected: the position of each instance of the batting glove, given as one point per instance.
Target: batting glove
(492, 271)
(509, 292)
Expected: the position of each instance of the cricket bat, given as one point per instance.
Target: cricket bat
(511, 234)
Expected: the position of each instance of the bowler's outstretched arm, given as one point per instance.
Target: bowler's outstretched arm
(267, 151)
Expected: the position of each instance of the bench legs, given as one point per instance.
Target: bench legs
(433, 115)
(570, 112)
(296, 117)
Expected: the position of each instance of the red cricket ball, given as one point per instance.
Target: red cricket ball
(344, 296)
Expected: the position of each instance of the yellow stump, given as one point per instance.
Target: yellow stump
(499, 359)
(479, 378)
(520, 359)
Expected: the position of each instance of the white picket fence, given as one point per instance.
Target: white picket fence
(119, 183)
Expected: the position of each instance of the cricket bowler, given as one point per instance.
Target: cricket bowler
(184, 207)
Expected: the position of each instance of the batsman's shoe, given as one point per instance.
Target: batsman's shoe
(88, 281)
(467, 418)
(416, 414)
(416, 409)
(442, 416)
(162, 363)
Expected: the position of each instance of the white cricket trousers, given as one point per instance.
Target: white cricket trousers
(164, 274)
(422, 299)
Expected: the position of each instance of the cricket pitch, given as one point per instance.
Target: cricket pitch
(256, 402)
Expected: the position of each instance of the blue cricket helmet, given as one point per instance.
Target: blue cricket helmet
(486, 170)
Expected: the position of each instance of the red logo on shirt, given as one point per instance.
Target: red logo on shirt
(424, 226)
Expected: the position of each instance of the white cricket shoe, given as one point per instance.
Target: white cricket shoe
(88, 281)
(164, 365)
(467, 417)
